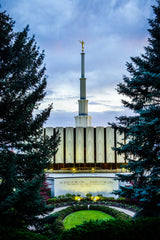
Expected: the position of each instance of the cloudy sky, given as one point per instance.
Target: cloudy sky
(113, 31)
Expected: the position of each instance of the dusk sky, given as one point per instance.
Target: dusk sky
(113, 31)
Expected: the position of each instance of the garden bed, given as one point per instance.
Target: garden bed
(70, 200)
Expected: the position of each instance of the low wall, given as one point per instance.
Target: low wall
(82, 184)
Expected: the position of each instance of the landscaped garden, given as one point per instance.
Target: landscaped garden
(119, 227)
(59, 222)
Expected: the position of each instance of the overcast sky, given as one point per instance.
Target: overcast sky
(113, 31)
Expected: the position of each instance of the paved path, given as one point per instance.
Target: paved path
(128, 212)
(59, 209)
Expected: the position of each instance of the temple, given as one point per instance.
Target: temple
(85, 161)
(84, 148)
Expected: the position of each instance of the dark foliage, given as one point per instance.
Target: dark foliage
(24, 154)
(142, 131)
(117, 229)
(8, 233)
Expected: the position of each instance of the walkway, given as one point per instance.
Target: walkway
(128, 212)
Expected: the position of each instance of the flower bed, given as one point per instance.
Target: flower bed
(69, 200)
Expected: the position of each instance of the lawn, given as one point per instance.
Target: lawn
(79, 217)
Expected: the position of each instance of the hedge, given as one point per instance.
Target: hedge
(113, 212)
(117, 229)
(58, 226)
(8, 233)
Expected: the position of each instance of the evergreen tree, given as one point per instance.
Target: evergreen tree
(24, 154)
(142, 147)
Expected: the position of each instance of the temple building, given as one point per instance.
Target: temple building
(84, 148)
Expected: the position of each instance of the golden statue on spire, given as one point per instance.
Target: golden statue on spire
(82, 42)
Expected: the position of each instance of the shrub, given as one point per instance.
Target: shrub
(8, 233)
(52, 200)
(59, 227)
(113, 212)
(69, 195)
(89, 195)
(116, 229)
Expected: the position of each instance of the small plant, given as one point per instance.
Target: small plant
(89, 195)
(70, 196)
(45, 191)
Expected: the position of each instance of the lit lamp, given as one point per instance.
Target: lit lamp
(95, 198)
(77, 198)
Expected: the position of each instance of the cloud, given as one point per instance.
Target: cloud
(113, 31)
(45, 16)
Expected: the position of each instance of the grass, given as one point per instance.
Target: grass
(79, 217)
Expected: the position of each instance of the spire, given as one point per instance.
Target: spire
(83, 120)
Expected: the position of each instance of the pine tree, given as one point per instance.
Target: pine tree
(142, 147)
(24, 153)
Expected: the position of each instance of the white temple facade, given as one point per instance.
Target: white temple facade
(91, 146)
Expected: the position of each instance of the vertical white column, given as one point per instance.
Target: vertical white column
(49, 133)
(100, 145)
(89, 145)
(109, 144)
(79, 145)
(59, 157)
(120, 139)
(69, 145)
